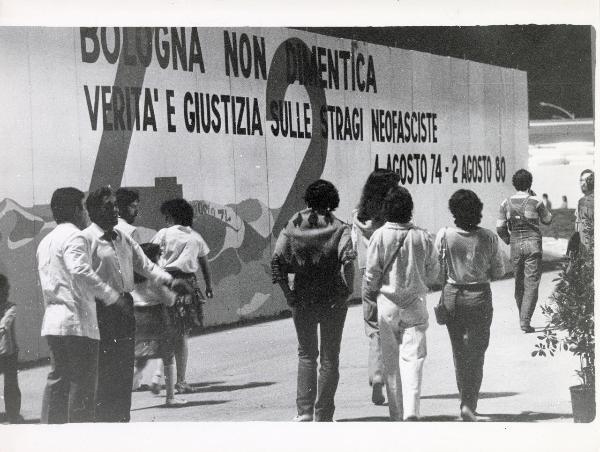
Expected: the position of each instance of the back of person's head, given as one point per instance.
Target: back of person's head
(64, 204)
(125, 196)
(465, 206)
(94, 201)
(322, 195)
(378, 184)
(179, 210)
(545, 196)
(588, 176)
(397, 205)
(522, 180)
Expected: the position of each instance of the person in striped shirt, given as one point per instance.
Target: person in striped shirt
(518, 225)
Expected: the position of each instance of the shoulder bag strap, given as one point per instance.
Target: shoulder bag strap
(395, 253)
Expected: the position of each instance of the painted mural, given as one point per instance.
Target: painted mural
(239, 122)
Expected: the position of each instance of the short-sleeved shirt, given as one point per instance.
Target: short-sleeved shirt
(520, 216)
(473, 257)
(181, 247)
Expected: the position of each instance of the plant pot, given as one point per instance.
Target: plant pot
(583, 400)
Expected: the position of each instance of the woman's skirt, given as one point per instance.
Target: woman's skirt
(187, 313)
(154, 336)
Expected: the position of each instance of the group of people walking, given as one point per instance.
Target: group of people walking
(111, 303)
(399, 262)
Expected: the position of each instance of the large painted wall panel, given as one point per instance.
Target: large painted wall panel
(239, 122)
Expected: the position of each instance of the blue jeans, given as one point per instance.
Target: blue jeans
(312, 398)
(526, 256)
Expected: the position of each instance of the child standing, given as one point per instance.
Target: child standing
(9, 354)
(184, 251)
(154, 337)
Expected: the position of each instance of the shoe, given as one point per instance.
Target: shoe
(377, 396)
(527, 329)
(303, 418)
(16, 420)
(467, 414)
(411, 419)
(183, 388)
(175, 403)
(155, 388)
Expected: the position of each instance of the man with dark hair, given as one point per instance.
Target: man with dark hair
(9, 354)
(584, 216)
(69, 323)
(114, 257)
(128, 204)
(518, 225)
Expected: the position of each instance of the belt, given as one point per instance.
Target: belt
(476, 287)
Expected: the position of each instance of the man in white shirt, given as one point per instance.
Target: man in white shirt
(128, 204)
(114, 257)
(70, 324)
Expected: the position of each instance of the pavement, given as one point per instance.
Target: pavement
(249, 374)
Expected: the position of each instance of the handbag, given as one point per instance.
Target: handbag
(442, 314)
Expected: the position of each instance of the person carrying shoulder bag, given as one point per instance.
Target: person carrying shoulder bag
(472, 260)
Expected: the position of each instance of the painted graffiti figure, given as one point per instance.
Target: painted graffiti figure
(518, 225)
(316, 248)
(367, 218)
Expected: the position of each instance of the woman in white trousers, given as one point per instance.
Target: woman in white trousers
(401, 264)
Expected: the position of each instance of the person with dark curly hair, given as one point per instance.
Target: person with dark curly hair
(317, 249)
(472, 261)
(401, 265)
(518, 225)
(367, 218)
(183, 253)
(128, 202)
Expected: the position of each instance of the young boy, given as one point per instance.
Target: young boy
(9, 354)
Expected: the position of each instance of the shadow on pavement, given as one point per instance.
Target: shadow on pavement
(205, 383)
(524, 416)
(366, 419)
(482, 395)
(229, 388)
(4, 420)
(187, 405)
(439, 418)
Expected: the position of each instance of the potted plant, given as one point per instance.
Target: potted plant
(570, 326)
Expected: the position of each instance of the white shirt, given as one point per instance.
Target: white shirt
(114, 262)
(70, 311)
(406, 280)
(128, 229)
(181, 247)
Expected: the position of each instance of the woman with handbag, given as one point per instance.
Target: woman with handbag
(316, 247)
(472, 259)
(367, 218)
(401, 265)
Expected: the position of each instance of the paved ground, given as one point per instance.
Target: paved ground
(249, 374)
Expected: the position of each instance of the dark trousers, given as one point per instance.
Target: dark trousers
(115, 379)
(526, 256)
(70, 390)
(469, 331)
(312, 397)
(12, 393)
